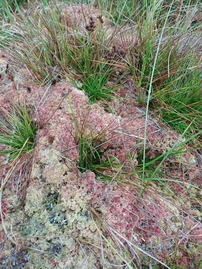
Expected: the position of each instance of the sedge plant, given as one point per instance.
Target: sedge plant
(91, 146)
(165, 64)
(184, 105)
(17, 132)
(91, 157)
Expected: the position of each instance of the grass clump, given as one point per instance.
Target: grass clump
(183, 106)
(92, 157)
(166, 66)
(86, 58)
(95, 84)
(53, 52)
(92, 149)
(17, 132)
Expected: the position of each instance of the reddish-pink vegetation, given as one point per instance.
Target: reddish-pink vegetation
(54, 262)
(143, 220)
(2, 242)
(4, 207)
(62, 114)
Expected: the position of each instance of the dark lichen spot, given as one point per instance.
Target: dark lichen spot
(62, 160)
(59, 219)
(56, 248)
(87, 214)
(51, 200)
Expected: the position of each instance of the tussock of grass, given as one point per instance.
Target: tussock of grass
(95, 84)
(17, 132)
(92, 157)
(86, 58)
(183, 106)
(170, 61)
(53, 52)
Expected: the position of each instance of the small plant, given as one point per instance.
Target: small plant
(91, 157)
(183, 106)
(95, 83)
(17, 132)
(86, 58)
(92, 149)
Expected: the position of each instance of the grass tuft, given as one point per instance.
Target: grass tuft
(92, 157)
(17, 132)
(184, 105)
(165, 63)
(54, 52)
